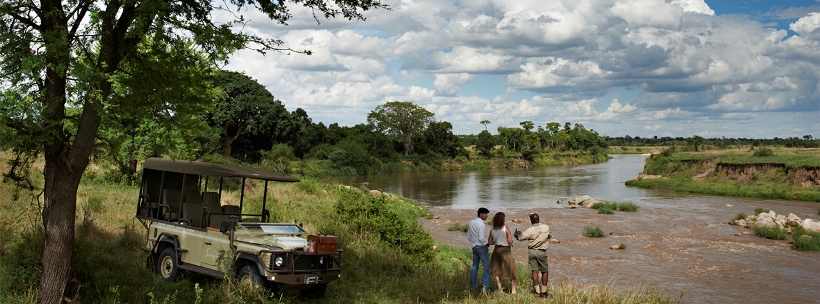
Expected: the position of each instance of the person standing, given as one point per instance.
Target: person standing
(477, 237)
(538, 236)
(502, 263)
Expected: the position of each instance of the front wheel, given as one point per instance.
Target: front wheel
(249, 277)
(168, 266)
(316, 292)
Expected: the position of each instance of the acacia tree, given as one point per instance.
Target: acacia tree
(59, 55)
(401, 119)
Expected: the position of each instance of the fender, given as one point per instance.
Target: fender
(253, 258)
(166, 238)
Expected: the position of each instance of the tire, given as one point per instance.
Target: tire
(249, 276)
(168, 265)
(315, 292)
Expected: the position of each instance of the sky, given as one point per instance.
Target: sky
(739, 69)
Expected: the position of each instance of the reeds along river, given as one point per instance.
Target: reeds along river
(676, 241)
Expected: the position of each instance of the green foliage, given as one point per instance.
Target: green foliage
(605, 205)
(458, 227)
(622, 245)
(760, 210)
(628, 207)
(739, 216)
(398, 227)
(774, 233)
(763, 152)
(485, 143)
(594, 232)
(351, 153)
(401, 119)
(805, 240)
(606, 210)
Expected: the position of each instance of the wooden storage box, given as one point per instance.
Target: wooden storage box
(324, 243)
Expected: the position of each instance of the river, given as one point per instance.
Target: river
(677, 242)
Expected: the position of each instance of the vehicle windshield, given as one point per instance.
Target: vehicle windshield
(281, 229)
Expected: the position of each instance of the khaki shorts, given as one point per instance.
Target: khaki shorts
(537, 260)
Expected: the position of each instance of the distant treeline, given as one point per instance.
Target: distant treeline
(243, 122)
(807, 141)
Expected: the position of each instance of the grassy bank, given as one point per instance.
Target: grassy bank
(781, 174)
(388, 256)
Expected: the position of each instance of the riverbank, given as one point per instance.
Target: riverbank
(783, 173)
(326, 168)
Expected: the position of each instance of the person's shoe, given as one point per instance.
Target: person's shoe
(545, 295)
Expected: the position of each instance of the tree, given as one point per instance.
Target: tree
(60, 54)
(485, 143)
(401, 119)
(438, 138)
(244, 106)
(527, 125)
(485, 123)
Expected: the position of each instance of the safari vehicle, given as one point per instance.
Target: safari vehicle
(195, 216)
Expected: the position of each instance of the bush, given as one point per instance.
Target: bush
(605, 205)
(606, 210)
(458, 227)
(805, 240)
(595, 232)
(763, 152)
(774, 233)
(760, 210)
(739, 216)
(629, 207)
(621, 245)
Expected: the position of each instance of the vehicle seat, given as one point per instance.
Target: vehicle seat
(231, 209)
(171, 198)
(193, 212)
(211, 201)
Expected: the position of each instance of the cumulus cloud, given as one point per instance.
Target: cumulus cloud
(689, 66)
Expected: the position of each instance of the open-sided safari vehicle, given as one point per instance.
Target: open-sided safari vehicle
(195, 213)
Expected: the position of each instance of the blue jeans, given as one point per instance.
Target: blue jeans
(480, 255)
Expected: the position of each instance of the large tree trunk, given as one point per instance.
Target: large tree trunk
(230, 138)
(408, 144)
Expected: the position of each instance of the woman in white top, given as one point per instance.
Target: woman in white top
(502, 263)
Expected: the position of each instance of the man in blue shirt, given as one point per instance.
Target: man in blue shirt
(478, 239)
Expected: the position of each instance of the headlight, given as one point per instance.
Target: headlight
(278, 261)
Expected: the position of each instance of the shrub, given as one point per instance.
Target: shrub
(599, 205)
(606, 210)
(760, 210)
(595, 232)
(458, 227)
(621, 245)
(805, 240)
(763, 152)
(774, 233)
(629, 207)
(739, 216)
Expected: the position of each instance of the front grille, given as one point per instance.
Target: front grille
(309, 262)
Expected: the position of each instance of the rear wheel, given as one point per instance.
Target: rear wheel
(317, 291)
(249, 277)
(168, 266)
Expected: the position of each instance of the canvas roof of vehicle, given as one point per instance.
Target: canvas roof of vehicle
(211, 169)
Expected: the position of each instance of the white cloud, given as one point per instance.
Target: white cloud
(449, 84)
(808, 26)
(653, 127)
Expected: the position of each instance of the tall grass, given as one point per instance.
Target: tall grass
(739, 216)
(774, 233)
(593, 231)
(628, 207)
(458, 227)
(805, 240)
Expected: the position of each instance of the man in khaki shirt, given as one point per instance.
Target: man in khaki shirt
(538, 236)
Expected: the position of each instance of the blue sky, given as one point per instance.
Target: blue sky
(622, 67)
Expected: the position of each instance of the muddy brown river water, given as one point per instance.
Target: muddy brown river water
(677, 242)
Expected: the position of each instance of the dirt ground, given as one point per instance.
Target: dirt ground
(676, 248)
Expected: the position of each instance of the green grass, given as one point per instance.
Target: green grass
(621, 245)
(771, 190)
(606, 210)
(594, 232)
(739, 216)
(628, 207)
(458, 227)
(805, 240)
(774, 233)
(760, 210)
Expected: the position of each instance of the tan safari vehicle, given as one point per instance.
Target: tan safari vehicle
(196, 217)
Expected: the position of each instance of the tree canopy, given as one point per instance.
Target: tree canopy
(401, 119)
(59, 61)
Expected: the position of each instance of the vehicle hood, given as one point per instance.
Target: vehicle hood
(290, 242)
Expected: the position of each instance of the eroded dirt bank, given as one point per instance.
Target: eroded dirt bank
(678, 245)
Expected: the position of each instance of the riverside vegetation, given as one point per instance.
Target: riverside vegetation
(778, 173)
(388, 256)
